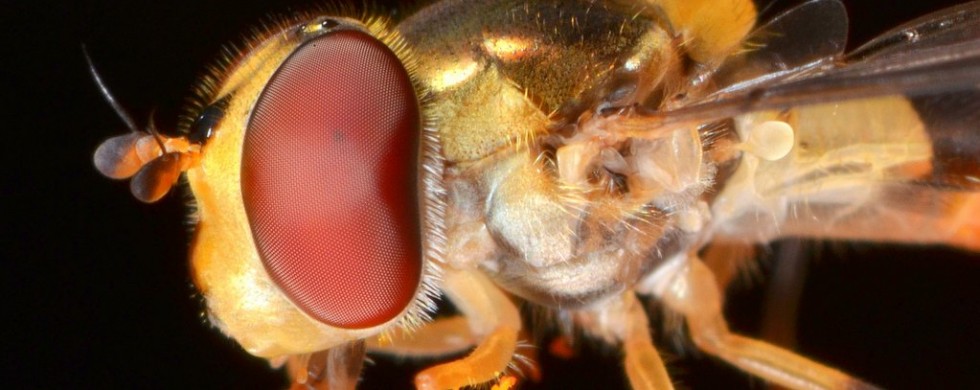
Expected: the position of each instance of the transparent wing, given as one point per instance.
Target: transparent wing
(886, 139)
(940, 60)
(808, 36)
(948, 26)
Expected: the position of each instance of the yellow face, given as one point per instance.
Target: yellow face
(260, 251)
(565, 152)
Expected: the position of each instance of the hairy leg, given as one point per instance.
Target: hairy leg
(492, 317)
(691, 289)
(623, 320)
(443, 336)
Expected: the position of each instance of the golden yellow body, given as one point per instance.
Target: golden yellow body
(555, 173)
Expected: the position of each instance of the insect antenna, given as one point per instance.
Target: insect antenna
(126, 118)
(152, 129)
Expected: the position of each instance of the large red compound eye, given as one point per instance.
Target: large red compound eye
(329, 180)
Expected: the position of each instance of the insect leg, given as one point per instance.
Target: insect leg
(441, 337)
(337, 368)
(491, 316)
(624, 320)
(644, 368)
(967, 234)
(730, 261)
(693, 291)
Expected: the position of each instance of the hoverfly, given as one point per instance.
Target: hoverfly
(348, 169)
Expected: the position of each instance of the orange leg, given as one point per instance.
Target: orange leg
(691, 290)
(337, 368)
(443, 336)
(492, 316)
(623, 320)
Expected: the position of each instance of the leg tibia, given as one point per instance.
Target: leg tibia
(492, 317)
(443, 336)
(693, 292)
(484, 364)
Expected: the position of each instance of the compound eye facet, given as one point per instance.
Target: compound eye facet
(329, 180)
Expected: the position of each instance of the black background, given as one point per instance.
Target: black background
(97, 292)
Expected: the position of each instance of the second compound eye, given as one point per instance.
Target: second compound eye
(329, 180)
